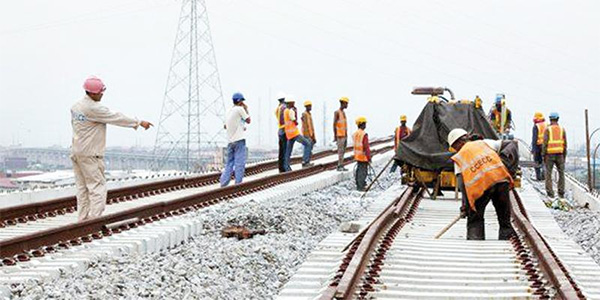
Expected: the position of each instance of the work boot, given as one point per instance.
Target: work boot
(307, 165)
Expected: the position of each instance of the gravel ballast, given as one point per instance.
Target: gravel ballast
(212, 267)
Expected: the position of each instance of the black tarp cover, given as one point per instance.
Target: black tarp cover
(427, 146)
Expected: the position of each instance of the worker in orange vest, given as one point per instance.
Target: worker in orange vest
(292, 134)
(362, 153)
(496, 115)
(554, 151)
(482, 177)
(308, 128)
(340, 132)
(281, 131)
(537, 140)
(400, 133)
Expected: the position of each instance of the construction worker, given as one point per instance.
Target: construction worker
(482, 176)
(308, 128)
(362, 153)
(281, 131)
(501, 120)
(293, 134)
(537, 140)
(554, 151)
(400, 133)
(236, 119)
(89, 119)
(340, 132)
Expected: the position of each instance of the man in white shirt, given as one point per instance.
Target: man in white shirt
(237, 117)
(89, 119)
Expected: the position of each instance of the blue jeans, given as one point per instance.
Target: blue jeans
(290, 146)
(236, 161)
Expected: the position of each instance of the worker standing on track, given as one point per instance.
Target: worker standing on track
(293, 134)
(340, 132)
(537, 141)
(281, 131)
(89, 119)
(362, 153)
(554, 151)
(482, 177)
(400, 133)
(308, 127)
(501, 116)
(236, 119)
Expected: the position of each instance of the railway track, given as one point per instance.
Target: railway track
(30, 237)
(397, 257)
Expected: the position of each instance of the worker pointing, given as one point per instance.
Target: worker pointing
(554, 151)
(340, 132)
(537, 141)
(362, 153)
(482, 177)
(89, 119)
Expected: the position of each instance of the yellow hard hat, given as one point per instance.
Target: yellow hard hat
(344, 99)
(538, 115)
(433, 99)
(403, 118)
(360, 120)
(307, 103)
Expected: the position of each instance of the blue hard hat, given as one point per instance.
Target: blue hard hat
(237, 97)
(498, 99)
(554, 116)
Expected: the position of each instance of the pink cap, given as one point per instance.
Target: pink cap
(94, 85)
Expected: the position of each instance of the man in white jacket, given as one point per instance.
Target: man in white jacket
(89, 119)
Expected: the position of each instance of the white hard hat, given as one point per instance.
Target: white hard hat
(456, 134)
(280, 95)
(290, 99)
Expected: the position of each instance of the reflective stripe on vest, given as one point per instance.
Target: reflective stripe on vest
(307, 125)
(291, 130)
(341, 129)
(279, 114)
(359, 151)
(541, 128)
(556, 140)
(481, 168)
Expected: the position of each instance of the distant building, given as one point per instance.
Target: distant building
(15, 163)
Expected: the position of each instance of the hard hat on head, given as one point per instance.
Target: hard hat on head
(307, 103)
(538, 116)
(403, 118)
(280, 96)
(94, 85)
(554, 116)
(456, 134)
(289, 99)
(344, 99)
(499, 99)
(361, 120)
(237, 97)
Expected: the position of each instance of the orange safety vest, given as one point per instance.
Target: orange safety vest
(556, 140)
(481, 168)
(291, 130)
(307, 125)
(341, 128)
(399, 135)
(279, 116)
(359, 151)
(497, 119)
(541, 127)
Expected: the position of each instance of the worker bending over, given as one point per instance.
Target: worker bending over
(89, 119)
(554, 151)
(281, 131)
(236, 119)
(537, 141)
(308, 128)
(293, 134)
(362, 153)
(482, 177)
(501, 116)
(340, 132)
(400, 133)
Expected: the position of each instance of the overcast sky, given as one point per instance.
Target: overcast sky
(544, 55)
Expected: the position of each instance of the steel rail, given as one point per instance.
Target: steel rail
(39, 210)
(86, 231)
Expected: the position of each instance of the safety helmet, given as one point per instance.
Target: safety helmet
(280, 96)
(94, 85)
(538, 116)
(360, 120)
(237, 97)
(456, 134)
(554, 116)
(307, 103)
(403, 118)
(290, 99)
(344, 99)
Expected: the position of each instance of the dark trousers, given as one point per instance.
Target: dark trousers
(282, 149)
(557, 160)
(499, 195)
(539, 160)
(362, 168)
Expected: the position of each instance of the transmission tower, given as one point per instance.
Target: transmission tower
(192, 115)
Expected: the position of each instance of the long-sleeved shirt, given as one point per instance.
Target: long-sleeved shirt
(534, 138)
(89, 119)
